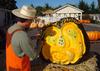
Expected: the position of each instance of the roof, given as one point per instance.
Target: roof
(48, 11)
(68, 5)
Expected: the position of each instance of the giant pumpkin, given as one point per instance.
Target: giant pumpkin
(93, 35)
(63, 45)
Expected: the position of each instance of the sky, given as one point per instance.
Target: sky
(52, 3)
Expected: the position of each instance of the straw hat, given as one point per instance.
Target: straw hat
(26, 12)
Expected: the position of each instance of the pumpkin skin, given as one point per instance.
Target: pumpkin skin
(33, 25)
(85, 21)
(93, 35)
(63, 45)
(40, 25)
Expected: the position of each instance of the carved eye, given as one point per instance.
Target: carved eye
(53, 33)
(72, 33)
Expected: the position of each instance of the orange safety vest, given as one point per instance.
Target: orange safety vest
(13, 62)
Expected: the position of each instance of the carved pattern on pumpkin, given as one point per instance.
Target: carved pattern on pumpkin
(63, 45)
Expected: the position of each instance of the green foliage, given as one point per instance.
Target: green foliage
(84, 6)
(46, 7)
(99, 5)
(88, 9)
(93, 8)
(41, 9)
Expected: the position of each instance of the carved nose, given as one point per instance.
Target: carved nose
(61, 41)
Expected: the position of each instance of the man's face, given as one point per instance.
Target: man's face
(27, 23)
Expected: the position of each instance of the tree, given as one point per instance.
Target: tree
(39, 10)
(46, 7)
(84, 6)
(97, 9)
(92, 8)
(8, 4)
(99, 4)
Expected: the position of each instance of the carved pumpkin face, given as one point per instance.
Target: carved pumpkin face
(63, 45)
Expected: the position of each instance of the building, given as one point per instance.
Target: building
(68, 11)
(48, 12)
(95, 17)
(62, 12)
